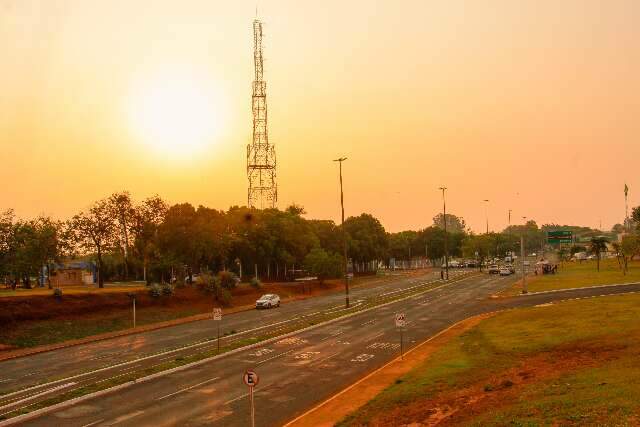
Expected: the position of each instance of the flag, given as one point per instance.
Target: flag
(626, 190)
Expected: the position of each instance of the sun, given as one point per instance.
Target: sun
(176, 114)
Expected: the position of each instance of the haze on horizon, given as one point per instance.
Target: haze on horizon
(532, 104)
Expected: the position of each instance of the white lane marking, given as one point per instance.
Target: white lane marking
(126, 417)
(275, 357)
(261, 352)
(33, 396)
(93, 423)
(362, 357)
(237, 398)
(188, 388)
(306, 355)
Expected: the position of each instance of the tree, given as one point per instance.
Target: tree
(95, 231)
(629, 247)
(123, 211)
(147, 218)
(597, 246)
(366, 238)
(455, 224)
(323, 264)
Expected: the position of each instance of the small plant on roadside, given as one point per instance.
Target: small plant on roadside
(155, 291)
(256, 283)
(167, 289)
(225, 297)
(227, 279)
(57, 292)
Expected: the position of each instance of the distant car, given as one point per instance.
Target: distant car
(470, 264)
(511, 268)
(454, 264)
(268, 301)
(504, 271)
(527, 263)
(493, 269)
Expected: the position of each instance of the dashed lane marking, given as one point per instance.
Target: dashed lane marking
(188, 388)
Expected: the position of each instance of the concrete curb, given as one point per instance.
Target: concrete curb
(552, 291)
(71, 402)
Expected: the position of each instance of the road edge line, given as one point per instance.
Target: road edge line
(550, 291)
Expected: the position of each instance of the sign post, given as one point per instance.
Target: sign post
(401, 322)
(251, 379)
(217, 317)
(133, 300)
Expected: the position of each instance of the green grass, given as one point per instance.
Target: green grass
(605, 392)
(43, 332)
(577, 275)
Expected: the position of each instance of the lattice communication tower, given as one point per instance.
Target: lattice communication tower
(261, 155)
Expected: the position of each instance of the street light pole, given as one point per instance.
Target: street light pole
(524, 275)
(446, 238)
(487, 213)
(344, 236)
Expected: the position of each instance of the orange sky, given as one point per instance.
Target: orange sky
(531, 104)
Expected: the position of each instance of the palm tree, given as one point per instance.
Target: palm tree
(598, 245)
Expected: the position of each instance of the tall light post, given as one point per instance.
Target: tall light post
(487, 213)
(344, 236)
(509, 218)
(524, 274)
(446, 238)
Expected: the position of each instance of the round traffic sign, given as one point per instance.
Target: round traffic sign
(250, 378)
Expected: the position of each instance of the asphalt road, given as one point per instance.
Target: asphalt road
(29, 379)
(300, 371)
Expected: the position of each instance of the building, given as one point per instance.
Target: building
(75, 273)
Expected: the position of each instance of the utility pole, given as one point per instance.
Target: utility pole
(446, 238)
(344, 236)
(509, 217)
(524, 274)
(487, 213)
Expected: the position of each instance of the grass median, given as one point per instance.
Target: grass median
(579, 275)
(570, 363)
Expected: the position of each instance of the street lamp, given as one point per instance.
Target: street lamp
(344, 236)
(446, 239)
(487, 213)
(524, 275)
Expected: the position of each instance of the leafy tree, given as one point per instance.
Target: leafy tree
(324, 265)
(146, 220)
(597, 246)
(123, 211)
(94, 230)
(455, 224)
(366, 237)
(629, 247)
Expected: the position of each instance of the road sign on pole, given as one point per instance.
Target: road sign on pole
(401, 322)
(217, 317)
(251, 379)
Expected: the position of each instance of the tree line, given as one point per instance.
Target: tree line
(154, 241)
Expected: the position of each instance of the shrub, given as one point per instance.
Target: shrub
(207, 283)
(57, 292)
(227, 280)
(155, 291)
(256, 283)
(167, 289)
(225, 297)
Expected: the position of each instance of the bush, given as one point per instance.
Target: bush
(225, 297)
(256, 283)
(57, 292)
(155, 291)
(167, 289)
(207, 283)
(227, 280)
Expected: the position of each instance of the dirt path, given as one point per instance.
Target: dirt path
(333, 410)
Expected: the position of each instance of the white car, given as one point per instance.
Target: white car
(268, 301)
(505, 271)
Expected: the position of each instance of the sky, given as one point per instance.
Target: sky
(533, 105)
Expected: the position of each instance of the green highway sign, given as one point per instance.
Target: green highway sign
(560, 236)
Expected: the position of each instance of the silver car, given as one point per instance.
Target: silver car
(268, 301)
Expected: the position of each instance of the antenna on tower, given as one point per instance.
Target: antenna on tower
(261, 155)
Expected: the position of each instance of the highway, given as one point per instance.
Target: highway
(303, 369)
(29, 379)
